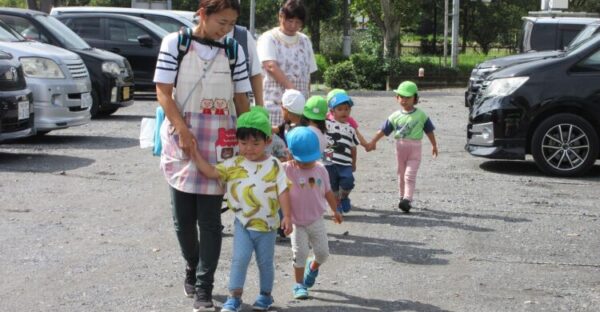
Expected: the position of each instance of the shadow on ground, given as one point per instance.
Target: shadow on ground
(399, 251)
(44, 163)
(72, 141)
(527, 168)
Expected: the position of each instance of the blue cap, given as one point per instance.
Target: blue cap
(303, 143)
(340, 98)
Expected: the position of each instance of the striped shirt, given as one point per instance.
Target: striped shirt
(341, 138)
(166, 65)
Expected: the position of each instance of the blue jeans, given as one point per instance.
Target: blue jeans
(244, 243)
(340, 177)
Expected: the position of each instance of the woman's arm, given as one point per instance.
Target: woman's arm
(187, 141)
(273, 69)
(242, 104)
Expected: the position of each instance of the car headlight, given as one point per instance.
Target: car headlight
(37, 67)
(504, 86)
(111, 68)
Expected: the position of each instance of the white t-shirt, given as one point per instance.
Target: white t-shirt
(166, 65)
(267, 51)
(255, 66)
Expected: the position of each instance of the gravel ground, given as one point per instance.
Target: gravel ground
(85, 224)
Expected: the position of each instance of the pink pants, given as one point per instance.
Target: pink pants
(408, 155)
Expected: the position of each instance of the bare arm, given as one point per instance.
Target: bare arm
(284, 202)
(207, 169)
(373, 144)
(434, 149)
(273, 69)
(187, 141)
(257, 89)
(361, 139)
(353, 153)
(241, 102)
(333, 202)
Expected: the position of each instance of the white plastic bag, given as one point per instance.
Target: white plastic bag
(147, 129)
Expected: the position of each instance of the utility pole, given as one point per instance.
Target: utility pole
(454, 50)
(347, 40)
(445, 32)
(252, 17)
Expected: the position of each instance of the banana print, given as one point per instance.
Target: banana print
(272, 188)
(233, 190)
(273, 207)
(237, 172)
(272, 175)
(258, 167)
(251, 201)
(258, 224)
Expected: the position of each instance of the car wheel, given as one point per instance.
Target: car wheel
(108, 112)
(95, 104)
(42, 133)
(564, 145)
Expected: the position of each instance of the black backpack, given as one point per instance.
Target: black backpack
(184, 41)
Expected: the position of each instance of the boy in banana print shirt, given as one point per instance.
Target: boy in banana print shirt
(257, 187)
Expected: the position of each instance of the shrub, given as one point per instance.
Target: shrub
(341, 75)
(369, 71)
(322, 65)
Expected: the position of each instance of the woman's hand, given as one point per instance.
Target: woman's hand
(187, 141)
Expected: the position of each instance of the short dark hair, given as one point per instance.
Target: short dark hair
(247, 133)
(321, 125)
(293, 8)
(214, 6)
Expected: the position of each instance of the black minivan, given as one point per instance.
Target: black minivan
(111, 74)
(16, 101)
(548, 108)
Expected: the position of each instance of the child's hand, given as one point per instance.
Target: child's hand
(286, 225)
(370, 146)
(353, 167)
(337, 217)
(434, 151)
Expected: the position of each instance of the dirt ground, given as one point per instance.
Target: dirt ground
(85, 224)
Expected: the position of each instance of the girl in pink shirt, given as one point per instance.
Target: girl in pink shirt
(310, 195)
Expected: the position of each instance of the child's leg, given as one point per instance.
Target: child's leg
(413, 149)
(346, 186)
(401, 158)
(242, 253)
(333, 177)
(264, 246)
(299, 251)
(317, 237)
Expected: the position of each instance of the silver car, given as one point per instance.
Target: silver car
(58, 79)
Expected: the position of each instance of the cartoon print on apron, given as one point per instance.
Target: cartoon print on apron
(211, 117)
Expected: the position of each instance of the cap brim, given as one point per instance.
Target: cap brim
(308, 158)
(404, 93)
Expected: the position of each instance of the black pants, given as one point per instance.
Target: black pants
(190, 213)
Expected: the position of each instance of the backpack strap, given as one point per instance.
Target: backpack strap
(231, 49)
(184, 40)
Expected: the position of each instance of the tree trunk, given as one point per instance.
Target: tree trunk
(32, 5)
(314, 27)
(46, 5)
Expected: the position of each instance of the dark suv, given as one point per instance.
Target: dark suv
(548, 108)
(543, 38)
(16, 101)
(110, 74)
(134, 38)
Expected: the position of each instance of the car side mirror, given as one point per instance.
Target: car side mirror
(145, 40)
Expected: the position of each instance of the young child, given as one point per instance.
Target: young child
(408, 125)
(340, 154)
(291, 110)
(351, 121)
(315, 112)
(310, 195)
(256, 189)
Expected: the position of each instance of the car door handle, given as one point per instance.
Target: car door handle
(116, 50)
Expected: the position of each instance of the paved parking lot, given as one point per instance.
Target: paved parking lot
(85, 225)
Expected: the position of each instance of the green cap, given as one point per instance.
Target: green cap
(334, 92)
(406, 89)
(256, 118)
(315, 108)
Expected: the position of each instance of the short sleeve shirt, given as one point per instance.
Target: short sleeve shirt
(307, 192)
(253, 189)
(341, 138)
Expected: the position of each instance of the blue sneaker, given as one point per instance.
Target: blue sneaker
(232, 305)
(300, 292)
(345, 205)
(309, 275)
(262, 303)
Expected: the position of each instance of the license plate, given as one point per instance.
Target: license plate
(86, 100)
(125, 93)
(23, 110)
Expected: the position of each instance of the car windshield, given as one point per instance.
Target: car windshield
(7, 34)
(68, 38)
(155, 28)
(586, 33)
(584, 44)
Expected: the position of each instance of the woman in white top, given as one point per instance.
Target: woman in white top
(287, 57)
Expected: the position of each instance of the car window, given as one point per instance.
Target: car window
(25, 28)
(8, 34)
(584, 34)
(589, 64)
(86, 28)
(166, 23)
(123, 31)
(68, 39)
(567, 36)
(543, 37)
